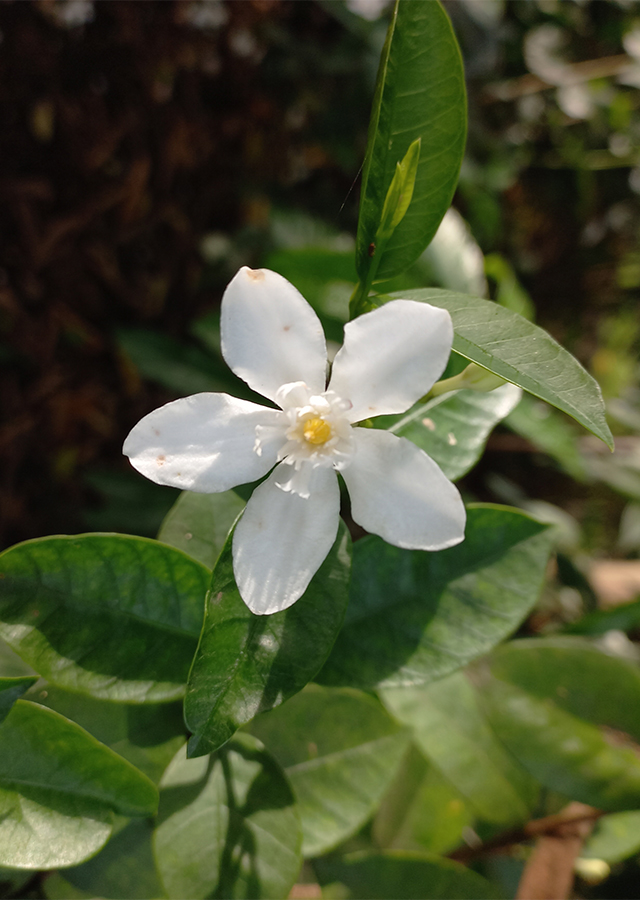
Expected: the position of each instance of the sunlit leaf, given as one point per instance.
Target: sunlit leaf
(420, 93)
(59, 788)
(113, 616)
(518, 351)
(246, 663)
(227, 825)
(414, 616)
(339, 749)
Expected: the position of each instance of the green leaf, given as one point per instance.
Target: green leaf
(124, 868)
(518, 351)
(577, 677)
(453, 428)
(340, 750)
(113, 616)
(199, 524)
(248, 664)
(454, 735)
(563, 752)
(147, 735)
(415, 616)
(399, 195)
(422, 810)
(11, 689)
(227, 826)
(420, 94)
(59, 788)
(404, 876)
(614, 838)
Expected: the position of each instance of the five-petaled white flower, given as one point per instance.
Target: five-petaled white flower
(210, 442)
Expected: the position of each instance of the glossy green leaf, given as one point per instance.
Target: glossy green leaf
(11, 689)
(340, 750)
(577, 677)
(520, 352)
(113, 616)
(124, 868)
(227, 825)
(147, 735)
(420, 93)
(59, 788)
(248, 664)
(414, 616)
(199, 524)
(422, 810)
(563, 752)
(453, 733)
(615, 837)
(401, 875)
(453, 428)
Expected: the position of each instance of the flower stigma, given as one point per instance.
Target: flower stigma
(317, 431)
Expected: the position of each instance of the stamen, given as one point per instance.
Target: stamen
(317, 431)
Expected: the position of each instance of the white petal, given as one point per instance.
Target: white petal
(282, 539)
(391, 357)
(204, 443)
(401, 494)
(270, 334)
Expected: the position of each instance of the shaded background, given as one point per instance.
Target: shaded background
(151, 148)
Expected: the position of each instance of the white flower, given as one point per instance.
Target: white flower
(209, 442)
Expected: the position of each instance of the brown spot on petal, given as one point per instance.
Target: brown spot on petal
(161, 460)
(286, 328)
(255, 274)
(156, 432)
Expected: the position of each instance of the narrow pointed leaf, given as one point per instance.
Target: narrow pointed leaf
(340, 750)
(520, 352)
(59, 787)
(420, 94)
(227, 826)
(414, 617)
(113, 616)
(246, 664)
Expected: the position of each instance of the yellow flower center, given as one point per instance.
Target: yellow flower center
(317, 431)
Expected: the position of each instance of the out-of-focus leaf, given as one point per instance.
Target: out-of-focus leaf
(615, 837)
(563, 752)
(227, 825)
(124, 868)
(59, 788)
(414, 617)
(621, 618)
(455, 258)
(246, 664)
(422, 810)
(404, 876)
(113, 616)
(181, 368)
(419, 93)
(549, 432)
(453, 428)
(520, 352)
(11, 689)
(199, 524)
(147, 735)
(577, 677)
(452, 732)
(339, 749)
